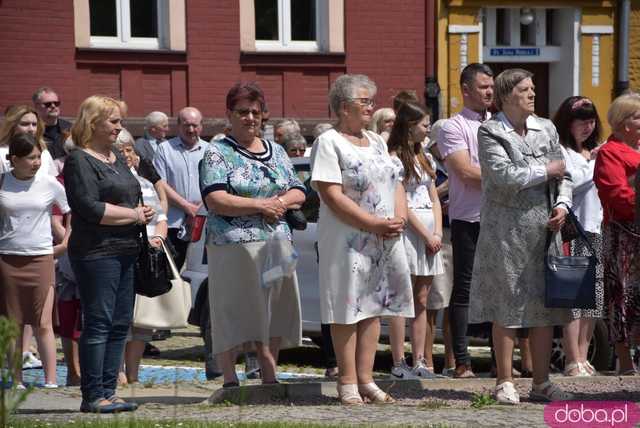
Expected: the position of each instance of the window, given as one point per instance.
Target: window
(133, 24)
(290, 25)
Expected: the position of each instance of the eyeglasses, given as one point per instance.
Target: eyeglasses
(365, 102)
(297, 149)
(50, 104)
(244, 112)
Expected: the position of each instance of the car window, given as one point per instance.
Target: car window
(311, 206)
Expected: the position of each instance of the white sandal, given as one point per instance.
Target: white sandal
(374, 394)
(349, 395)
(582, 371)
(590, 369)
(548, 391)
(506, 393)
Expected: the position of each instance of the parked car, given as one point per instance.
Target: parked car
(305, 242)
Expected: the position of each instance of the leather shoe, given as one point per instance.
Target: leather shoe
(96, 407)
(124, 405)
(463, 371)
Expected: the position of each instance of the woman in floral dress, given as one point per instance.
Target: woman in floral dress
(363, 267)
(248, 183)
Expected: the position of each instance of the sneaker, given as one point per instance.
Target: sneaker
(422, 371)
(30, 361)
(402, 371)
(50, 385)
(506, 393)
(448, 372)
(251, 366)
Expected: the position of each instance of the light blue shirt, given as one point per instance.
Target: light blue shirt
(178, 166)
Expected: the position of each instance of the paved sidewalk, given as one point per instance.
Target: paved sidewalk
(445, 402)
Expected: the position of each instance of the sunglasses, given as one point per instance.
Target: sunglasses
(244, 112)
(51, 104)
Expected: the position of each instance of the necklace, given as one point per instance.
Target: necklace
(104, 159)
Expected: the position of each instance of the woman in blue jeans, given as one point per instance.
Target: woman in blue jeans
(103, 196)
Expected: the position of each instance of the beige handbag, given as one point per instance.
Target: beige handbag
(168, 311)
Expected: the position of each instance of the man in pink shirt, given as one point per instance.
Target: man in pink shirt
(458, 144)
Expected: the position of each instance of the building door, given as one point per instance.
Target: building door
(540, 72)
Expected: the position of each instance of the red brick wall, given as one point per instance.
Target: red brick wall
(37, 48)
(385, 40)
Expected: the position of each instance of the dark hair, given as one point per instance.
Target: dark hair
(21, 145)
(577, 108)
(245, 91)
(469, 73)
(409, 114)
(404, 96)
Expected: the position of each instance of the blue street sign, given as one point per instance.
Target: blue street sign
(515, 51)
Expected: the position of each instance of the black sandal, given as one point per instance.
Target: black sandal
(230, 385)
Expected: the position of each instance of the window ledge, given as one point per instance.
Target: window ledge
(160, 57)
(293, 59)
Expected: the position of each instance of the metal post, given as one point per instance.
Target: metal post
(624, 10)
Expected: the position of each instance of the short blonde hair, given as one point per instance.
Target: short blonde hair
(621, 109)
(379, 117)
(92, 110)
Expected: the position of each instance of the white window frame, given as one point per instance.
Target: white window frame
(124, 40)
(284, 42)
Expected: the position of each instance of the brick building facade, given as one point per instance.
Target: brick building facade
(48, 43)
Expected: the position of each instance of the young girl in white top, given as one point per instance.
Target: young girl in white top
(579, 128)
(423, 237)
(26, 247)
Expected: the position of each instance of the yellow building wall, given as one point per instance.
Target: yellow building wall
(593, 12)
(602, 95)
(460, 16)
(634, 47)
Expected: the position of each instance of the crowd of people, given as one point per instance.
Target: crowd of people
(414, 218)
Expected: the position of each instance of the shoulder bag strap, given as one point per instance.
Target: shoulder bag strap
(582, 235)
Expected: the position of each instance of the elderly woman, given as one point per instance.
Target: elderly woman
(615, 170)
(23, 119)
(294, 144)
(364, 272)
(285, 128)
(157, 227)
(248, 184)
(103, 195)
(525, 195)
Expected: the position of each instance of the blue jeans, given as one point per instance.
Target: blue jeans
(107, 298)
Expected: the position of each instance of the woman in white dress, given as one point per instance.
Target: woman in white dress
(423, 237)
(363, 266)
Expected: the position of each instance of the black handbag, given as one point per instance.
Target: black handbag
(570, 281)
(152, 276)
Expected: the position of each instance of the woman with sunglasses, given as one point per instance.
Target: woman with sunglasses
(247, 184)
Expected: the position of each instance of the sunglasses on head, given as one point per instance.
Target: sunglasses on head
(51, 104)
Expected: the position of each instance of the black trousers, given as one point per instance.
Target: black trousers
(179, 246)
(464, 236)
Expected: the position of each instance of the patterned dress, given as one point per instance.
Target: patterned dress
(508, 284)
(361, 274)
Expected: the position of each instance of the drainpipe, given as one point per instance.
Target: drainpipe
(431, 89)
(624, 8)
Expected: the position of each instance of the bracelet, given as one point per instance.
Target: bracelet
(439, 235)
(284, 204)
(138, 221)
